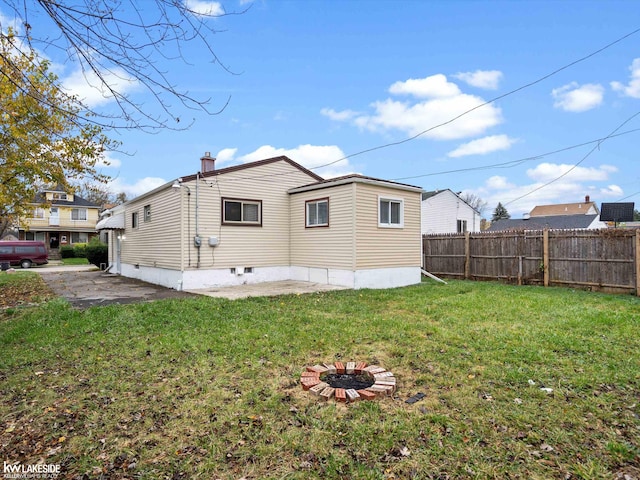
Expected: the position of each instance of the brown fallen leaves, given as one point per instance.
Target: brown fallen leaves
(17, 289)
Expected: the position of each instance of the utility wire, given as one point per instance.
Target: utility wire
(596, 147)
(488, 102)
(515, 163)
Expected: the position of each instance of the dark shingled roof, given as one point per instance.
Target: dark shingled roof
(556, 222)
(77, 201)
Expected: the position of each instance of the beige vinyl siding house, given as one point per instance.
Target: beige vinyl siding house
(255, 223)
(354, 249)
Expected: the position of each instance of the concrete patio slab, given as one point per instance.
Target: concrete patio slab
(266, 289)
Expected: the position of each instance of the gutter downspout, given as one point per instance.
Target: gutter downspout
(197, 241)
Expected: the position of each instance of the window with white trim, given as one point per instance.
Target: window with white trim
(134, 220)
(59, 196)
(317, 214)
(38, 213)
(147, 213)
(241, 212)
(79, 214)
(390, 212)
(461, 226)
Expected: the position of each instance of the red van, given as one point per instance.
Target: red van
(24, 253)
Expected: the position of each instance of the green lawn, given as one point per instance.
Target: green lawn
(209, 388)
(75, 261)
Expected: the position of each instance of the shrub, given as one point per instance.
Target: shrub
(79, 250)
(97, 252)
(66, 251)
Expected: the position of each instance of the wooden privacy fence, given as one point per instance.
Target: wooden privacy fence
(607, 260)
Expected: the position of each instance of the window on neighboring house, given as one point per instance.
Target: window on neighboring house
(317, 213)
(79, 237)
(134, 220)
(39, 236)
(147, 213)
(38, 212)
(462, 226)
(390, 212)
(79, 214)
(241, 212)
(59, 196)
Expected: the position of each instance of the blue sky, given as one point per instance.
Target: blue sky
(321, 80)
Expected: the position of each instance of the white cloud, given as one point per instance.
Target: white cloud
(498, 182)
(575, 98)
(309, 156)
(482, 146)
(205, 8)
(612, 191)
(107, 161)
(338, 116)
(487, 79)
(143, 185)
(91, 90)
(441, 102)
(546, 172)
(633, 88)
(435, 86)
(226, 155)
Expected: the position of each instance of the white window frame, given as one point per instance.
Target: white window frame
(390, 200)
(78, 211)
(461, 226)
(242, 202)
(135, 220)
(38, 213)
(147, 213)
(59, 196)
(314, 204)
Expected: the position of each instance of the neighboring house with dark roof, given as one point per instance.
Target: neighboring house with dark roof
(268, 220)
(443, 211)
(553, 222)
(59, 218)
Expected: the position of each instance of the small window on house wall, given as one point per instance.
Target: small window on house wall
(462, 226)
(241, 212)
(134, 220)
(79, 237)
(79, 214)
(390, 212)
(38, 212)
(59, 196)
(317, 213)
(147, 213)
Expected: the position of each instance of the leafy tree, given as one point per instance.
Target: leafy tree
(41, 141)
(119, 44)
(500, 213)
(636, 216)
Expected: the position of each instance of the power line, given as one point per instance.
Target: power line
(515, 163)
(596, 147)
(488, 102)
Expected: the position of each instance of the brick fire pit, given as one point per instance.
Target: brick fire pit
(348, 382)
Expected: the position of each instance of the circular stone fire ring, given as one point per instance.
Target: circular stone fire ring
(348, 382)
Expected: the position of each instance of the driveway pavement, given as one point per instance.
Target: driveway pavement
(84, 286)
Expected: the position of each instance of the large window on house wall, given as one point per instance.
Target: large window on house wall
(237, 211)
(134, 220)
(390, 212)
(462, 226)
(79, 214)
(39, 236)
(317, 212)
(38, 212)
(79, 237)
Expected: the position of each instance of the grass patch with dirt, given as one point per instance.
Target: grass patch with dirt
(208, 388)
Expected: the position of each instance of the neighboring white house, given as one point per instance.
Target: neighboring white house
(266, 221)
(443, 211)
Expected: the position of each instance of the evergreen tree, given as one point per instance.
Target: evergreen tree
(500, 213)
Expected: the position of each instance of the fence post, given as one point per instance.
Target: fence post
(637, 255)
(545, 255)
(467, 255)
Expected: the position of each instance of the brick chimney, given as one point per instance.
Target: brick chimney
(587, 199)
(207, 163)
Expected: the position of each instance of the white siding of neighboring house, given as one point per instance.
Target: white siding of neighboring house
(441, 212)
